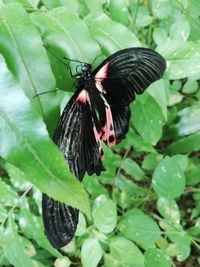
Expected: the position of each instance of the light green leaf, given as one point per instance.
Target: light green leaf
(104, 214)
(126, 252)
(133, 169)
(32, 227)
(91, 253)
(168, 179)
(62, 262)
(8, 196)
(190, 87)
(140, 228)
(148, 118)
(110, 35)
(119, 11)
(185, 144)
(26, 145)
(169, 209)
(155, 257)
(25, 56)
(13, 247)
(81, 227)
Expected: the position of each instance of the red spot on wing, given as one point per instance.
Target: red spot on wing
(98, 138)
(82, 97)
(108, 132)
(102, 73)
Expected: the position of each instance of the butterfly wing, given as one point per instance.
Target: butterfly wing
(77, 138)
(128, 72)
(120, 77)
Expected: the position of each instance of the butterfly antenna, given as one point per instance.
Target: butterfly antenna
(74, 60)
(42, 93)
(61, 61)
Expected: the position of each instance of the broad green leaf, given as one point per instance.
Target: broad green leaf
(28, 4)
(189, 120)
(81, 227)
(192, 173)
(17, 177)
(91, 253)
(26, 145)
(110, 35)
(183, 58)
(13, 247)
(190, 87)
(73, 4)
(151, 161)
(3, 214)
(168, 179)
(119, 11)
(126, 252)
(162, 9)
(185, 144)
(32, 227)
(25, 56)
(148, 118)
(181, 242)
(140, 228)
(180, 29)
(155, 257)
(169, 209)
(8, 196)
(62, 262)
(110, 261)
(93, 186)
(158, 91)
(133, 169)
(104, 214)
(65, 39)
(181, 160)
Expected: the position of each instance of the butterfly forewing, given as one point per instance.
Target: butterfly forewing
(127, 73)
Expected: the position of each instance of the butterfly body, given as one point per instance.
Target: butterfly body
(97, 112)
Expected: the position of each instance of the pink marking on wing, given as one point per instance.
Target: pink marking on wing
(102, 73)
(110, 132)
(98, 140)
(82, 97)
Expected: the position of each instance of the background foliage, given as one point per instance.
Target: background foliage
(145, 208)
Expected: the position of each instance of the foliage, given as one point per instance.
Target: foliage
(145, 208)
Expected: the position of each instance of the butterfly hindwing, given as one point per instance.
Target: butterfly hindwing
(76, 138)
(128, 72)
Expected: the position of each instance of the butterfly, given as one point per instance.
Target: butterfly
(97, 112)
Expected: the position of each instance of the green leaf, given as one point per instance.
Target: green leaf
(32, 227)
(168, 179)
(155, 257)
(17, 177)
(180, 29)
(25, 56)
(140, 228)
(189, 120)
(26, 145)
(151, 161)
(119, 11)
(81, 227)
(110, 35)
(73, 4)
(62, 262)
(185, 145)
(190, 87)
(181, 242)
(63, 39)
(8, 196)
(183, 58)
(169, 209)
(104, 214)
(13, 247)
(133, 169)
(148, 118)
(126, 252)
(110, 261)
(91, 253)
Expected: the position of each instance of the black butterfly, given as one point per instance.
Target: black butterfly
(98, 111)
